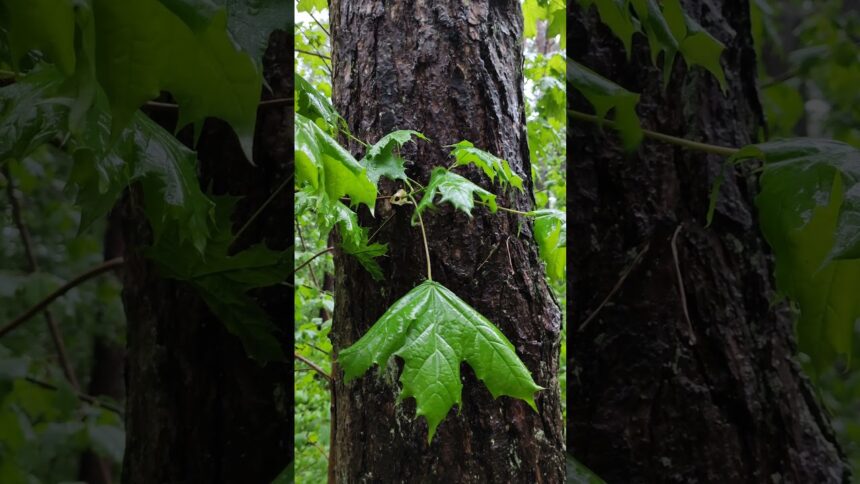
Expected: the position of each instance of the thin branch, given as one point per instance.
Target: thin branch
(82, 396)
(313, 366)
(53, 327)
(305, 248)
(268, 102)
(380, 227)
(43, 304)
(319, 449)
(261, 208)
(681, 291)
(327, 249)
(505, 209)
(320, 25)
(626, 272)
(317, 54)
(780, 78)
(685, 143)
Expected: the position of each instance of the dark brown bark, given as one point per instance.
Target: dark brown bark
(452, 70)
(648, 405)
(106, 376)
(199, 409)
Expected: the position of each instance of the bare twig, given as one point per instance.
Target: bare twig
(33, 265)
(681, 292)
(320, 25)
(626, 272)
(492, 251)
(43, 304)
(304, 247)
(317, 54)
(268, 102)
(313, 366)
(81, 396)
(319, 449)
(324, 251)
(380, 227)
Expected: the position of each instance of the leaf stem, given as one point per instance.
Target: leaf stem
(685, 143)
(350, 136)
(423, 232)
(505, 209)
(321, 56)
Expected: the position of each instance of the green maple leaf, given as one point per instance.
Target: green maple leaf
(433, 331)
(455, 189)
(809, 212)
(381, 160)
(135, 61)
(605, 96)
(465, 153)
(551, 236)
(326, 165)
(223, 279)
(46, 25)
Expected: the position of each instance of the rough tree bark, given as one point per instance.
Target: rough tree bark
(656, 398)
(452, 70)
(198, 408)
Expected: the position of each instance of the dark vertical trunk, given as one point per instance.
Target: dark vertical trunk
(198, 408)
(452, 70)
(656, 398)
(106, 376)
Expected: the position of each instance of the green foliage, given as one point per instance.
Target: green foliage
(465, 153)
(809, 214)
(579, 474)
(668, 29)
(382, 159)
(433, 331)
(455, 189)
(223, 279)
(605, 95)
(552, 13)
(551, 236)
(44, 25)
(325, 165)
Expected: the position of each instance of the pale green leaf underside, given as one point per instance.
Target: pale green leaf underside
(433, 331)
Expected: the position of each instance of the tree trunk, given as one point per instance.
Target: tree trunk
(452, 70)
(198, 408)
(657, 396)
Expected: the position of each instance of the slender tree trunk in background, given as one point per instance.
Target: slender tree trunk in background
(452, 70)
(648, 405)
(198, 408)
(106, 376)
